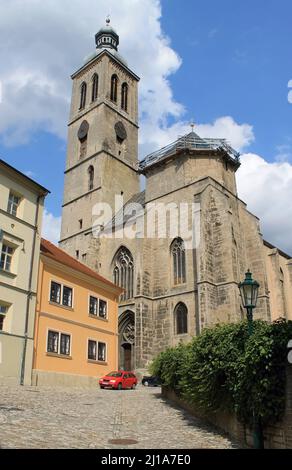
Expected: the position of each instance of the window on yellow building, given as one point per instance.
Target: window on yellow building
(93, 305)
(92, 350)
(67, 296)
(58, 343)
(102, 308)
(96, 351)
(97, 307)
(55, 295)
(61, 295)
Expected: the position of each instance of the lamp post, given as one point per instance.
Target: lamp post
(249, 289)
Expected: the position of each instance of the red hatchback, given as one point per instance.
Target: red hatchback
(119, 380)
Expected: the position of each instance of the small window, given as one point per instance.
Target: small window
(83, 92)
(84, 257)
(80, 223)
(67, 296)
(102, 352)
(6, 257)
(53, 342)
(92, 350)
(90, 178)
(124, 100)
(3, 312)
(59, 343)
(114, 88)
(65, 344)
(181, 319)
(94, 87)
(93, 305)
(102, 308)
(55, 295)
(13, 203)
(77, 254)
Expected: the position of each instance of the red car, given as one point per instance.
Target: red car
(119, 380)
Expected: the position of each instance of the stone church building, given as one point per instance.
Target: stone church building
(171, 290)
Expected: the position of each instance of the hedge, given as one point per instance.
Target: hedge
(225, 369)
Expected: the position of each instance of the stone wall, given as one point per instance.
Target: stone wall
(278, 436)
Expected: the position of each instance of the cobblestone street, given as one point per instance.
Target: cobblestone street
(78, 418)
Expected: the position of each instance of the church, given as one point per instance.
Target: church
(173, 288)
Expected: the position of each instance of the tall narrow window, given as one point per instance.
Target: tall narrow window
(179, 261)
(124, 100)
(181, 319)
(123, 272)
(3, 312)
(6, 257)
(13, 203)
(90, 178)
(94, 87)
(83, 92)
(114, 88)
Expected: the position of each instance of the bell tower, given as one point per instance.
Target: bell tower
(102, 153)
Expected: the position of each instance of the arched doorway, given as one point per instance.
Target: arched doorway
(127, 340)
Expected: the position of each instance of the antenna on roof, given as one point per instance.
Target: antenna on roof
(108, 20)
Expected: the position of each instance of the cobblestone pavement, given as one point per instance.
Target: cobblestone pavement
(61, 418)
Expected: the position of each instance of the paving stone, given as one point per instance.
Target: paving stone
(60, 418)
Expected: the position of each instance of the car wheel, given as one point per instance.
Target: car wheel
(146, 383)
(120, 386)
(101, 386)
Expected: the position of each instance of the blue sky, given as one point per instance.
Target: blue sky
(214, 60)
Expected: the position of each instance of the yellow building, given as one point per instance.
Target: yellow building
(21, 210)
(76, 329)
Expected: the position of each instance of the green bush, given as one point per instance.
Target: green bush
(225, 369)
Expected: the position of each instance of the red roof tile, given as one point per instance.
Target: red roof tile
(52, 251)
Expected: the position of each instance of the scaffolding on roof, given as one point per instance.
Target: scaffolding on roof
(190, 142)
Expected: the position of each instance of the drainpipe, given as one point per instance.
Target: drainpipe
(29, 294)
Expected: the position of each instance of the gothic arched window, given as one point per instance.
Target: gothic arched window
(114, 88)
(94, 87)
(181, 319)
(83, 92)
(123, 272)
(124, 100)
(179, 261)
(90, 178)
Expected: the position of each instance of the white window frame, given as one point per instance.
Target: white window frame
(97, 343)
(98, 300)
(6, 255)
(61, 294)
(53, 330)
(13, 205)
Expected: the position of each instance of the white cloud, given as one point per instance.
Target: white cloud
(267, 189)
(51, 227)
(42, 43)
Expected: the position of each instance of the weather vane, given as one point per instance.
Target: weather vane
(192, 124)
(108, 19)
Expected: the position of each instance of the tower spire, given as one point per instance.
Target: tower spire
(107, 37)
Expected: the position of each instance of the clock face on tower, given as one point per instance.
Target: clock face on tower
(121, 132)
(83, 130)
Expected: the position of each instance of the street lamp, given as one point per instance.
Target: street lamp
(249, 289)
